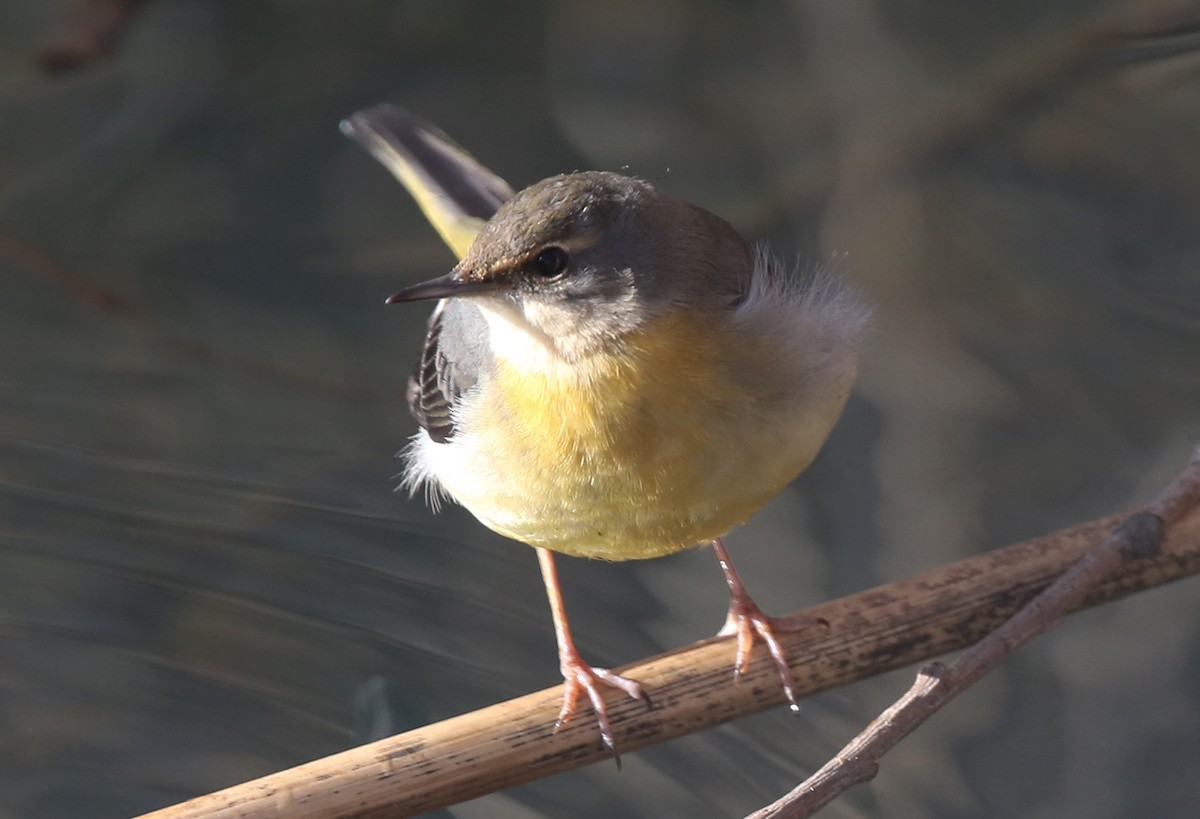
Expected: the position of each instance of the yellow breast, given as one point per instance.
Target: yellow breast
(661, 443)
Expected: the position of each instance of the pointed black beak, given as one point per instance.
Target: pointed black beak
(450, 286)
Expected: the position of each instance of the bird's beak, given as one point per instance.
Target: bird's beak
(450, 286)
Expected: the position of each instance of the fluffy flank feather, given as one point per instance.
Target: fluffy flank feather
(418, 474)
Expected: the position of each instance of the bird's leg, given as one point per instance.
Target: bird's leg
(578, 676)
(746, 619)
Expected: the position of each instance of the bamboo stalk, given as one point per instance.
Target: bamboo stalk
(514, 742)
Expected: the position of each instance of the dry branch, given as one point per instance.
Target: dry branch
(92, 295)
(1138, 537)
(869, 633)
(90, 33)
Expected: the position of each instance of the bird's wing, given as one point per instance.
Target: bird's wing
(455, 355)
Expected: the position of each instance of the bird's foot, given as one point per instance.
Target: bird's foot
(745, 620)
(581, 678)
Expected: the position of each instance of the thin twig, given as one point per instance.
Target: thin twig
(869, 633)
(88, 34)
(947, 120)
(95, 296)
(1140, 536)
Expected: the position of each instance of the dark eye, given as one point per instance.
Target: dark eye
(550, 262)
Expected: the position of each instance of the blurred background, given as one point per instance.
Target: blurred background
(205, 574)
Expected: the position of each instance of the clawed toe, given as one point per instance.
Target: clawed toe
(579, 677)
(747, 621)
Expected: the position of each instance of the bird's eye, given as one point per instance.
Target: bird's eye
(550, 262)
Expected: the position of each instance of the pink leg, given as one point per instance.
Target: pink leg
(578, 676)
(746, 619)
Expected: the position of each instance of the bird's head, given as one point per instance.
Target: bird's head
(578, 261)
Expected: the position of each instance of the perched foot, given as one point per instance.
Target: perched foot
(579, 677)
(746, 620)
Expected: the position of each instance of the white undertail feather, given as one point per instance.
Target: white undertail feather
(418, 471)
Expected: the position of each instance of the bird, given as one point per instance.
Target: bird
(610, 372)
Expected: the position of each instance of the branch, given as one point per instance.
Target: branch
(90, 33)
(869, 633)
(94, 296)
(1139, 536)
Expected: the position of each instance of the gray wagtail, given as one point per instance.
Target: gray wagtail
(610, 372)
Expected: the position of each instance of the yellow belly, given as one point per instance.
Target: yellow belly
(656, 447)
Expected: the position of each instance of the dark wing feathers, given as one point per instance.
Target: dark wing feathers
(453, 359)
(430, 395)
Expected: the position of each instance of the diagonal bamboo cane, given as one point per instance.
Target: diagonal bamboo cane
(514, 742)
